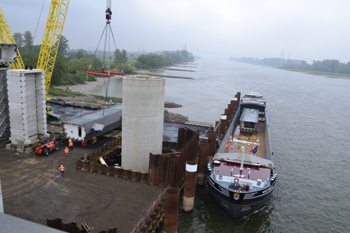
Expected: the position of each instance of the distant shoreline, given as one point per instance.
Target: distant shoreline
(328, 75)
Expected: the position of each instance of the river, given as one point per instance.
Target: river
(310, 131)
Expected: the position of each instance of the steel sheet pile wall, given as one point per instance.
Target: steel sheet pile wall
(150, 221)
(143, 113)
(72, 226)
(27, 105)
(89, 163)
(230, 111)
(169, 169)
(4, 109)
(269, 152)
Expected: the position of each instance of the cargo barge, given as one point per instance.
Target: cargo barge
(242, 175)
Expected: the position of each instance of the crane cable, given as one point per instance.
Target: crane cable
(107, 42)
(36, 29)
(92, 60)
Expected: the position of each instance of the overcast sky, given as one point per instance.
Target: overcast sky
(302, 29)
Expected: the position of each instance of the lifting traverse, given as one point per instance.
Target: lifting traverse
(107, 31)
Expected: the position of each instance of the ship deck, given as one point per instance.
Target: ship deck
(250, 137)
(256, 166)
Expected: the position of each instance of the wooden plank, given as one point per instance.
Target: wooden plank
(103, 161)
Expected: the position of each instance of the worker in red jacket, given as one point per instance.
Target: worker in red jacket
(66, 151)
(62, 170)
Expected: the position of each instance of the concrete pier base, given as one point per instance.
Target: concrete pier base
(23, 148)
(190, 186)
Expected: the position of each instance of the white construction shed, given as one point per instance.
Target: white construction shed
(91, 125)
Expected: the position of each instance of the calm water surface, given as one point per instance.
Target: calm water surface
(310, 131)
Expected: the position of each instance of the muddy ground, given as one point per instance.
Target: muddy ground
(33, 189)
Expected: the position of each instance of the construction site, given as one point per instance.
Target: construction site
(127, 167)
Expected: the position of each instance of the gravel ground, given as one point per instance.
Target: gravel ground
(33, 189)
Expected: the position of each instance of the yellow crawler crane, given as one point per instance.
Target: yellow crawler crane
(6, 37)
(52, 35)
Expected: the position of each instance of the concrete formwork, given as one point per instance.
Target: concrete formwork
(4, 113)
(143, 113)
(27, 105)
(1, 201)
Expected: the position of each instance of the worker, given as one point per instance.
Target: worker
(70, 144)
(66, 151)
(62, 170)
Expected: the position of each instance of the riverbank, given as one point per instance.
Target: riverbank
(88, 88)
(325, 74)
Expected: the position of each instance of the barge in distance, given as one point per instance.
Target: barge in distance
(242, 175)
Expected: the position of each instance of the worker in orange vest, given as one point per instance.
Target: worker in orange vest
(62, 170)
(66, 151)
(70, 144)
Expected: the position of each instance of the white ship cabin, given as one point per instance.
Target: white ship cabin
(253, 95)
(249, 120)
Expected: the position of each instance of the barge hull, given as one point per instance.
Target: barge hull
(237, 211)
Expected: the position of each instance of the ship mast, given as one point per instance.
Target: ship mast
(243, 143)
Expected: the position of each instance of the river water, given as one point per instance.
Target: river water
(310, 131)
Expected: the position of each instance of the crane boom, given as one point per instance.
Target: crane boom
(6, 37)
(52, 35)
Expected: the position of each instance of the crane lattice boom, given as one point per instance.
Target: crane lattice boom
(6, 37)
(51, 39)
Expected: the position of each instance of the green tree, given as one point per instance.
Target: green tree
(97, 64)
(28, 40)
(143, 59)
(73, 65)
(60, 69)
(138, 65)
(124, 56)
(125, 68)
(80, 54)
(63, 46)
(120, 57)
(19, 39)
(30, 57)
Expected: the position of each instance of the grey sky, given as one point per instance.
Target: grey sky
(303, 29)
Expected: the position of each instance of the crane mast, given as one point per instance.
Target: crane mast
(52, 35)
(6, 37)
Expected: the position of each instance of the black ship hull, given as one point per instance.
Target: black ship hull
(237, 209)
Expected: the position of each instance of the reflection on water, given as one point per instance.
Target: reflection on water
(309, 122)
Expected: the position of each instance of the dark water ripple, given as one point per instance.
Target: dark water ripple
(310, 131)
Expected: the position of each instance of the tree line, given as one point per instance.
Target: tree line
(277, 62)
(328, 65)
(150, 61)
(71, 66)
(166, 58)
